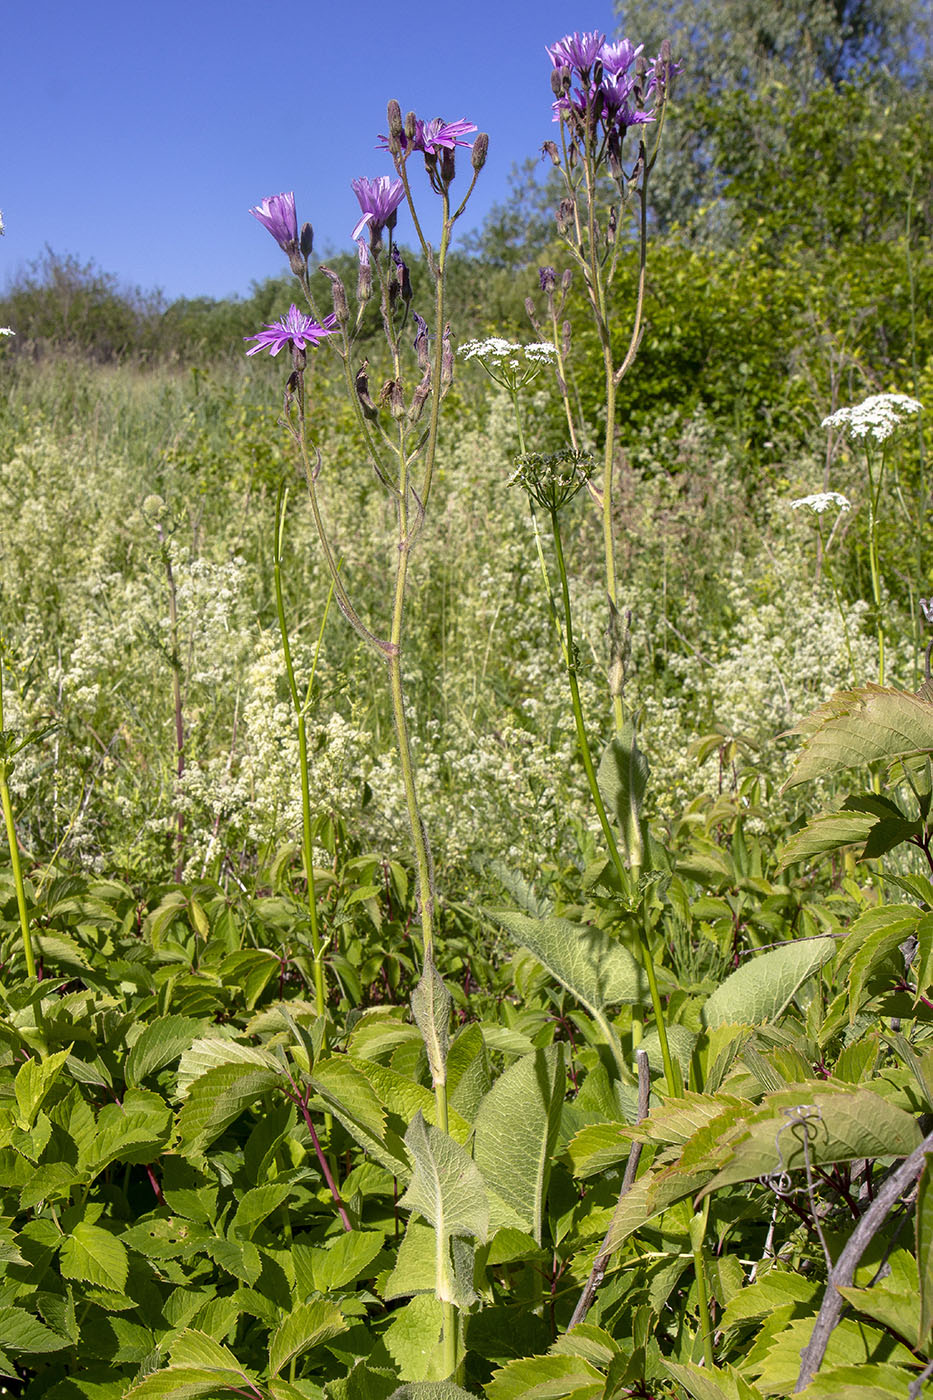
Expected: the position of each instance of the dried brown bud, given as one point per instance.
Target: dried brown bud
(361, 384)
(565, 339)
(341, 309)
(421, 342)
(565, 216)
(550, 149)
(480, 151)
(364, 277)
(447, 361)
(419, 397)
(611, 226)
(391, 394)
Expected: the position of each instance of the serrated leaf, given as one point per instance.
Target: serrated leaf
(431, 1390)
(240, 1258)
(597, 1147)
(34, 1079)
(135, 1130)
(841, 1127)
(209, 1052)
(826, 832)
(760, 990)
(552, 1377)
(515, 1131)
(342, 1262)
(195, 1348)
(594, 967)
(715, 1384)
(306, 1326)
(94, 1256)
(186, 1382)
(162, 1041)
(255, 1205)
(218, 1097)
(857, 727)
(20, 1332)
(623, 781)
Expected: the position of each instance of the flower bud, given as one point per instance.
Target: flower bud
(364, 277)
(394, 114)
(306, 241)
(566, 280)
(611, 226)
(341, 309)
(402, 277)
(361, 384)
(548, 278)
(480, 149)
(411, 125)
(557, 86)
(565, 216)
(550, 148)
(448, 163)
(392, 395)
(565, 339)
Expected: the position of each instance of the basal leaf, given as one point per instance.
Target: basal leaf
(594, 967)
(760, 989)
(515, 1131)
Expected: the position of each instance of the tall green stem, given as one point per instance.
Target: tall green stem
(14, 852)
(672, 1079)
(874, 499)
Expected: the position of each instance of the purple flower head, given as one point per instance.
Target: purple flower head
(295, 329)
(619, 111)
(434, 136)
(379, 200)
(277, 214)
(548, 278)
(579, 51)
(618, 58)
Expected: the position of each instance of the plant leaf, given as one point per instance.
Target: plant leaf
(761, 988)
(594, 967)
(516, 1128)
(857, 727)
(306, 1326)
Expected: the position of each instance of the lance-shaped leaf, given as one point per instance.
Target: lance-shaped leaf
(857, 727)
(623, 779)
(761, 988)
(447, 1189)
(595, 968)
(924, 1231)
(430, 1005)
(516, 1127)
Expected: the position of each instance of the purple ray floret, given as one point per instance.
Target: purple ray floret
(277, 214)
(295, 328)
(579, 51)
(379, 200)
(430, 137)
(618, 58)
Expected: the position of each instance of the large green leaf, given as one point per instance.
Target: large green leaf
(215, 1099)
(828, 831)
(446, 1186)
(552, 1377)
(837, 1125)
(761, 988)
(95, 1256)
(857, 727)
(924, 1231)
(595, 968)
(162, 1041)
(430, 1005)
(717, 1384)
(623, 780)
(516, 1127)
(306, 1326)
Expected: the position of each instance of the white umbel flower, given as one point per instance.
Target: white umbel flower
(875, 417)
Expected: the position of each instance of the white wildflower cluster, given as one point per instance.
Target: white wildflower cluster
(875, 417)
(511, 365)
(821, 501)
(5, 330)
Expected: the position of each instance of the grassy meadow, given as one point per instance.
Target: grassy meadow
(430, 966)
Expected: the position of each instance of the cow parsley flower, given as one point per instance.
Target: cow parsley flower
(875, 417)
(295, 329)
(821, 501)
(512, 366)
(5, 330)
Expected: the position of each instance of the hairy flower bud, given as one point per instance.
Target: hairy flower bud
(448, 163)
(480, 150)
(341, 308)
(566, 280)
(411, 125)
(394, 116)
(364, 277)
(557, 85)
(565, 216)
(306, 242)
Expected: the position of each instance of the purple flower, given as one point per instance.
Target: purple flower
(277, 214)
(618, 58)
(295, 329)
(379, 200)
(579, 51)
(431, 137)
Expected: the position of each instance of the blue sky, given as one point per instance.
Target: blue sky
(138, 135)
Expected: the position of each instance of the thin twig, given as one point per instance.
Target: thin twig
(844, 1272)
(601, 1262)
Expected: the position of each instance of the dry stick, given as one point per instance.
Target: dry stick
(844, 1272)
(601, 1262)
